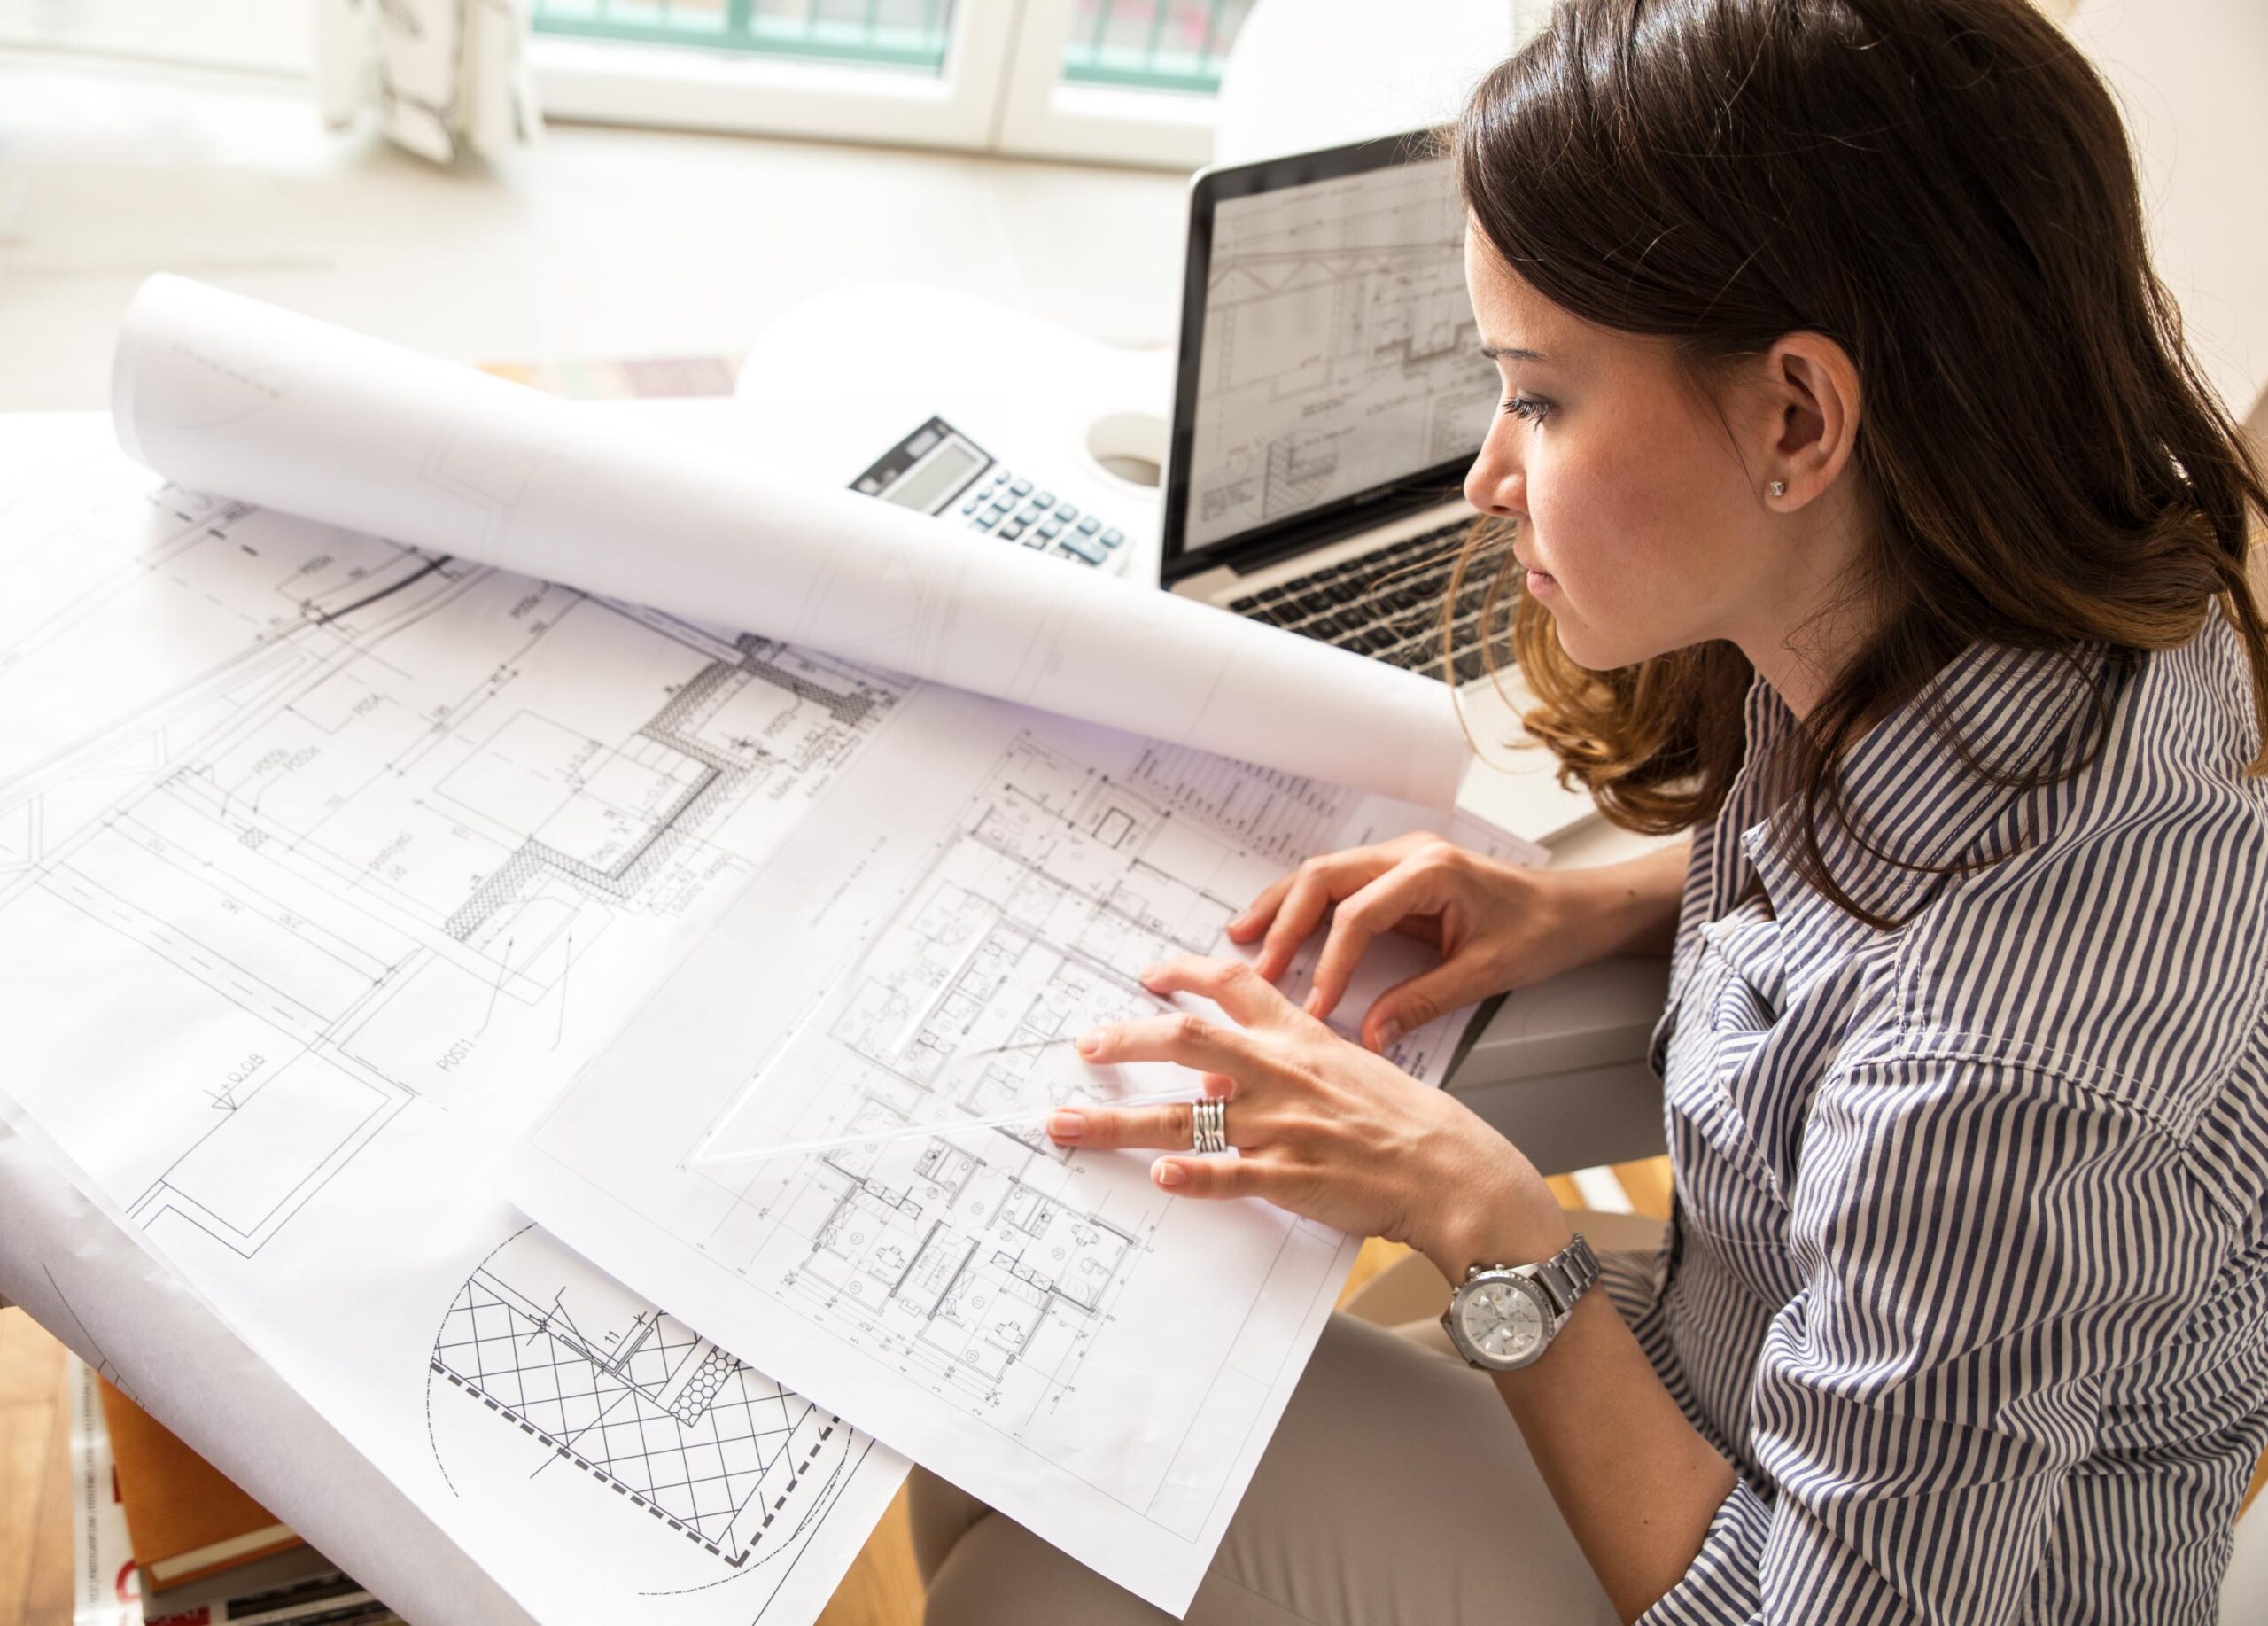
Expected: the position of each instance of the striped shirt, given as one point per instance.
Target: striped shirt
(1968, 1275)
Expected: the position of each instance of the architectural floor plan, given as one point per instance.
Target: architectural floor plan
(1027, 927)
(325, 862)
(378, 817)
(1045, 1327)
(604, 1387)
(321, 862)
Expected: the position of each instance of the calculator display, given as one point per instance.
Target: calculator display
(931, 484)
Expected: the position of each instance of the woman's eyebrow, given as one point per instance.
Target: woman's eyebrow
(1497, 353)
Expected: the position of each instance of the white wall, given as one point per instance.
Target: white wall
(269, 35)
(2192, 78)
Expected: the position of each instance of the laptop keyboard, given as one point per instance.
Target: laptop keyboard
(1385, 605)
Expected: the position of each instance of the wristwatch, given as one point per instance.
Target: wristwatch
(1503, 1316)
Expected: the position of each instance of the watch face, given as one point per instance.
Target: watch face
(1502, 1321)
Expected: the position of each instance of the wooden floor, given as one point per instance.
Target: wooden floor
(35, 1499)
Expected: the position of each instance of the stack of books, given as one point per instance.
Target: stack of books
(206, 1552)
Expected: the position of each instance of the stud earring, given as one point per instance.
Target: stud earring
(1778, 488)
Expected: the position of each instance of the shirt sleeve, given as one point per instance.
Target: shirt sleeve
(1981, 1243)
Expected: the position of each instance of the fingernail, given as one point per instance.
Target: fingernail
(1166, 1173)
(1066, 1125)
(1150, 973)
(1314, 1006)
(1091, 1041)
(1388, 1031)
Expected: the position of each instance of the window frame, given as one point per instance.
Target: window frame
(1001, 90)
(1044, 115)
(675, 87)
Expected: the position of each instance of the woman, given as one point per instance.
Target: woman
(1877, 528)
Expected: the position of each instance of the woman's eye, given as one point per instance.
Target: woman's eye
(1528, 407)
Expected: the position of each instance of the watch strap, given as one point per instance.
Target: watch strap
(1568, 1275)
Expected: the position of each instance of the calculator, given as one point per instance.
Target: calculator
(938, 470)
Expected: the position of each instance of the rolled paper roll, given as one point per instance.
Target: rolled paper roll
(234, 398)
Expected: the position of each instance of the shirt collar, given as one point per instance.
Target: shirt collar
(1907, 789)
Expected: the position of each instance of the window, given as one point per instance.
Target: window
(1127, 81)
(1115, 81)
(1151, 45)
(899, 34)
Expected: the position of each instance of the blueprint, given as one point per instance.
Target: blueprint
(1027, 926)
(600, 1384)
(222, 393)
(1339, 351)
(355, 793)
(324, 861)
(1045, 1327)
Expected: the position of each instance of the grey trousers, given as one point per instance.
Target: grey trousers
(1397, 1490)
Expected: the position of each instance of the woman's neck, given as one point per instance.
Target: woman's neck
(1818, 612)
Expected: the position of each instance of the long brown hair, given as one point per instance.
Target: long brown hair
(1943, 188)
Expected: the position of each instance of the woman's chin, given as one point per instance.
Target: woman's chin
(1583, 645)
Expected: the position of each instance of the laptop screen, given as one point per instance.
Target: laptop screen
(1334, 351)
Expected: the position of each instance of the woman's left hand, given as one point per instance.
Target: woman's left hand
(1323, 1127)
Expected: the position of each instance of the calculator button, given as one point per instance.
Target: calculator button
(1053, 529)
(1012, 530)
(1035, 540)
(969, 506)
(982, 522)
(1045, 499)
(1066, 512)
(1111, 538)
(1028, 512)
(1083, 549)
(1089, 526)
(1022, 488)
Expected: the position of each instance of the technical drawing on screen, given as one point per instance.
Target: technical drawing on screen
(1339, 351)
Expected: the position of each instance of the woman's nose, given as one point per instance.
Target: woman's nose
(1496, 483)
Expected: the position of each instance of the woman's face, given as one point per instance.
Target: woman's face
(1646, 507)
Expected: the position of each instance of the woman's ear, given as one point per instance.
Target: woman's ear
(1813, 389)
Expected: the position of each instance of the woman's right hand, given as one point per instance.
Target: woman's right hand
(1498, 926)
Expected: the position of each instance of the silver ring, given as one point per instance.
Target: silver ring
(1208, 1126)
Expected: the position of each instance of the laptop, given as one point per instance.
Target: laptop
(1329, 395)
